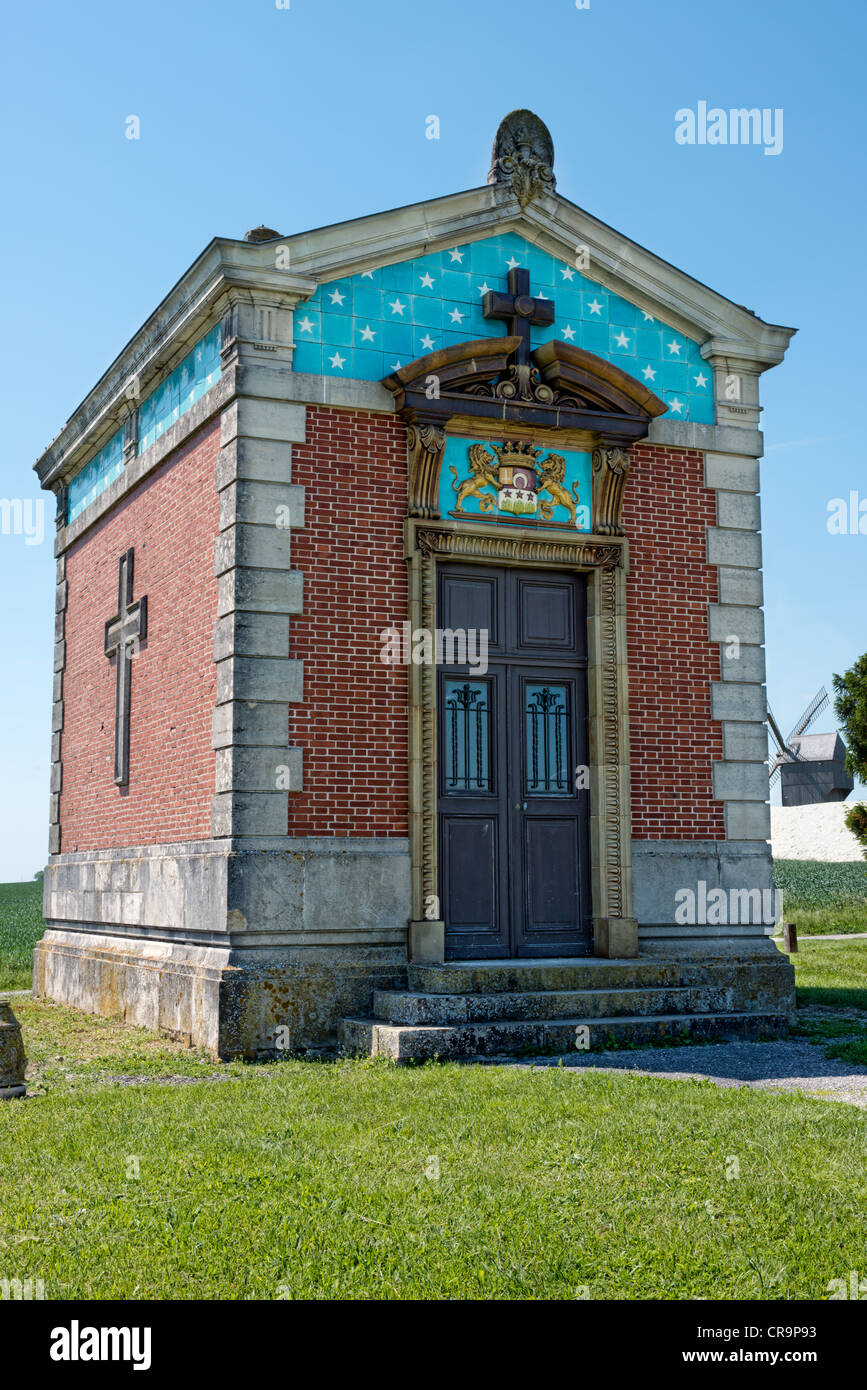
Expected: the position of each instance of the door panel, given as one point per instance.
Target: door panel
(551, 878)
(471, 863)
(514, 855)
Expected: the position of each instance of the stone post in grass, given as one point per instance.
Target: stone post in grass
(12, 1059)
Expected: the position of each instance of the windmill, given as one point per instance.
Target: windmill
(811, 767)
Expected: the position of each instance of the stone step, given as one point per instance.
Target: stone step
(530, 976)
(410, 1007)
(402, 1043)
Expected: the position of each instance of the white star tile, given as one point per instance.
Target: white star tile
(567, 272)
(676, 406)
(622, 340)
(367, 275)
(368, 334)
(337, 361)
(305, 324)
(396, 306)
(484, 287)
(701, 380)
(427, 342)
(568, 333)
(674, 347)
(456, 255)
(336, 297)
(648, 318)
(594, 306)
(512, 263)
(426, 281)
(648, 373)
(456, 316)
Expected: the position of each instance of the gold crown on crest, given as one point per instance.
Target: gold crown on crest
(515, 452)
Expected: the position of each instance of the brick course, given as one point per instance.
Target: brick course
(352, 724)
(171, 520)
(671, 662)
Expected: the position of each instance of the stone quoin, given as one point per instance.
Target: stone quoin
(488, 413)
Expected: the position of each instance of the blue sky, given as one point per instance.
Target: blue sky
(304, 116)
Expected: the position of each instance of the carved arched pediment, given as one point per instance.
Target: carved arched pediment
(499, 380)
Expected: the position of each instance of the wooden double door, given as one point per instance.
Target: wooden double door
(513, 804)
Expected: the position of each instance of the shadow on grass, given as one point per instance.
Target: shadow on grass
(832, 997)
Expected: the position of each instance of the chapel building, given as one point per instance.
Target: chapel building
(409, 668)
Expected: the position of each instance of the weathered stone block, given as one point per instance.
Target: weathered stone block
(731, 547)
(729, 700)
(259, 768)
(747, 820)
(734, 472)
(727, 620)
(250, 722)
(426, 942)
(615, 938)
(262, 504)
(260, 591)
(249, 813)
(745, 742)
(745, 663)
(263, 419)
(261, 547)
(740, 781)
(263, 460)
(259, 678)
(739, 510)
(251, 634)
(740, 586)
(12, 1059)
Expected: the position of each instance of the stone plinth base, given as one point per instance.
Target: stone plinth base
(243, 951)
(231, 1001)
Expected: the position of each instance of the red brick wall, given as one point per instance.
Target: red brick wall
(671, 662)
(353, 721)
(171, 520)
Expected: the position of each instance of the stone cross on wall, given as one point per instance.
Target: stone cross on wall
(122, 634)
(519, 310)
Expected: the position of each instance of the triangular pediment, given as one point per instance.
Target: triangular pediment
(400, 285)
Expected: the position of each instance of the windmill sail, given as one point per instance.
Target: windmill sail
(785, 752)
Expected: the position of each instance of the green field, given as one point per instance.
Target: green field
(823, 898)
(21, 926)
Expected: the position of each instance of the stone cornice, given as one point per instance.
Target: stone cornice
(226, 271)
(559, 227)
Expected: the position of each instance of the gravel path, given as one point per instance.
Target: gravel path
(787, 1065)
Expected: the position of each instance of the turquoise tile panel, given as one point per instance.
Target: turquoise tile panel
(95, 477)
(416, 306)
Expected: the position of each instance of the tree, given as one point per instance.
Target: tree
(850, 707)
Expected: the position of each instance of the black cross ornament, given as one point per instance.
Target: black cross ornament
(122, 632)
(519, 310)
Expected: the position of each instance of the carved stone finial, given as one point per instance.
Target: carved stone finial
(523, 156)
(261, 233)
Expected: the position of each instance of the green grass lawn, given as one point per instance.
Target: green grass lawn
(140, 1170)
(821, 898)
(319, 1180)
(832, 973)
(21, 926)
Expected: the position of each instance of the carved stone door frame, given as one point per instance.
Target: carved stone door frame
(604, 560)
